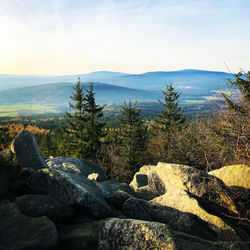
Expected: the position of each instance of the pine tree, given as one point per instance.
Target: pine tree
(133, 136)
(76, 123)
(172, 114)
(94, 127)
(166, 125)
(84, 128)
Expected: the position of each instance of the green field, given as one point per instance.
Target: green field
(25, 109)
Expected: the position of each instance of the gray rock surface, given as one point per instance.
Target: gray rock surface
(134, 235)
(118, 198)
(110, 187)
(77, 166)
(35, 205)
(70, 189)
(28, 154)
(20, 232)
(179, 221)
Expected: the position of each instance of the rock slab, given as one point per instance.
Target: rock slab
(77, 166)
(70, 189)
(25, 147)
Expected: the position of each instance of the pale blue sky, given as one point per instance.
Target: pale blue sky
(134, 36)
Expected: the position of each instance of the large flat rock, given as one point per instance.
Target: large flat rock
(70, 189)
(77, 166)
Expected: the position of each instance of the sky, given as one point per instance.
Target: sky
(62, 37)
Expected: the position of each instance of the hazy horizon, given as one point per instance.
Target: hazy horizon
(63, 37)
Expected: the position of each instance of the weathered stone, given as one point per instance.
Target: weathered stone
(180, 200)
(134, 234)
(43, 205)
(78, 237)
(193, 181)
(180, 221)
(110, 187)
(235, 175)
(18, 231)
(70, 189)
(27, 151)
(118, 198)
(134, 209)
(190, 190)
(140, 178)
(140, 184)
(77, 166)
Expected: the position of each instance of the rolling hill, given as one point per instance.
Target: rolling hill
(182, 79)
(57, 94)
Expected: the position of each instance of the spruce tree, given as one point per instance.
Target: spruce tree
(76, 123)
(133, 136)
(84, 128)
(94, 127)
(167, 124)
(172, 114)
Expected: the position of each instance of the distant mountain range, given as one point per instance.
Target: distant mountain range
(110, 87)
(58, 94)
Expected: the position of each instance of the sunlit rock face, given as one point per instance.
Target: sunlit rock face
(235, 175)
(77, 166)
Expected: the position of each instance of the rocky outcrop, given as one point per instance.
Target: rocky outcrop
(70, 189)
(20, 232)
(235, 175)
(197, 183)
(144, 210)
(27, 151)
(77, 166)
(179, 221)
(183, 202)
(190, 190)
(167, 206)
(35, 205)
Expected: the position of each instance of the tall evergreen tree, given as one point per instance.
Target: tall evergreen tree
(94, 127)
(84, 127)
(76, 123)
(172, 114)
(167, 124)
(133, 136)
